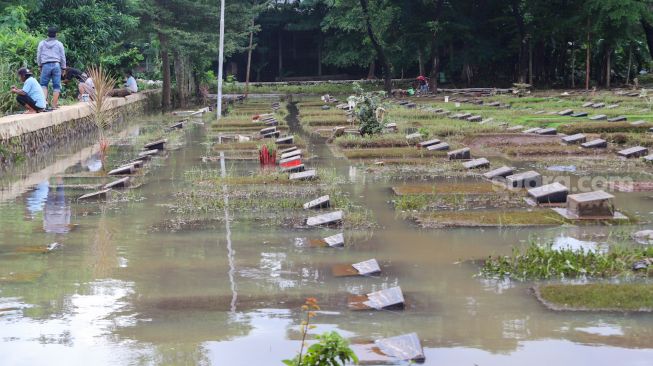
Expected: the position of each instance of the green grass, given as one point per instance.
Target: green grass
(598, 297)
(490, 218)
(537, 262)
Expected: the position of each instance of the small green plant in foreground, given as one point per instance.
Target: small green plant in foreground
(544, 262)
(330, 350)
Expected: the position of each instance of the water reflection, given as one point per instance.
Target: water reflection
(52, 203)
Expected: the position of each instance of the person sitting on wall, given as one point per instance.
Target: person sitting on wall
(130, 86)
(31, 95)
(84, 82)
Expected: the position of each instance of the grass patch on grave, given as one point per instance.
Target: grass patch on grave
(457, 201)
(438, 188)
(537, 262)
(628, 297)
(487, 218)
(551, 149)
(601, 127)
(375, 141)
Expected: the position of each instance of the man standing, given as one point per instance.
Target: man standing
(51, 58)
(31, 95)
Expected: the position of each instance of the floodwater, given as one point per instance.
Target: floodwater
(119, 292)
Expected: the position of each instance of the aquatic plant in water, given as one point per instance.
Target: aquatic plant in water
(331, 349)
(100, 109)
(545, 262)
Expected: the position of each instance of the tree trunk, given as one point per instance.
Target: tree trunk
(435, 58)
(435, 70)
(573, 67)
(530, 62)
(319, 55)
(420, 61)
(587, 58)
(521, 29)
(630, 63)
(280, 50)
(371, 74)
(608, 67)
(166, 93)
(249, 59)
(648, 31)
(387, 73)
(182, 100)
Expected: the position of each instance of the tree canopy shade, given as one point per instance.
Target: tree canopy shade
(464, 42)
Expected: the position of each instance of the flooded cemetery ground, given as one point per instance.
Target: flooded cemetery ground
(198, 255)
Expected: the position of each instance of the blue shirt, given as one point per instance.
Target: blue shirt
(33, 89)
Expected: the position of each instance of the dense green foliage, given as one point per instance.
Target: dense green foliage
(543, 262)
(330, 350)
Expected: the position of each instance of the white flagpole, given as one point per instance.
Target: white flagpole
(220, 59)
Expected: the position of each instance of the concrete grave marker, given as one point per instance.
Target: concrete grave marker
(648, 158)
(633, 152)
(502, 172)
(414, 136)
(368, 267)
(290, 154)
(335, 241)
(566, 112)
(529, 179)
(265, 131)
(331, 218)
(388, 299)
(579, 114)
(638, 123)
(321, 202)
(287, 150)
(618, 119)
(429, 143)
(515, 128)
(547, 131)
(598, 105)
(405, 347)
(285, 140)
(120, 183)
(477, 163)
(155, 145)
(460, 154)
(306, 175)
(599, 117)
(612, 106)
(293, 169)
(578, 138)
(591, 204)
(595, 144)
(476, 118)
(550, 193)
(587, 104)
(443, 146)
(123, 170)
(99, 195)
(532, 130)
(285, 162)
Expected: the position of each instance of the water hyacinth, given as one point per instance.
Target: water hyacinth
(544, 262)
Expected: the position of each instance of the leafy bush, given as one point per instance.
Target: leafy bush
(7, 79)
(369, 111)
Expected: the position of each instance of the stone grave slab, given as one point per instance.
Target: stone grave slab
(270, 135)
(290, 154)
(267, 130)
(272, 123)
(457, 115)
(429, 143)
(578, 138)
(387, 299)
(618, 119)
(155, 145)
(529, 179)
(612, 106)
(633, 152)
(587, 104)
(293, 168)
(566, 112)
(599, 117)
(460, 154)
(327, 219)
(465, 116)
(638, 123)
(648, 158)
(493, 104)
(477, 163)
(119, 183)
(305, 175)
(532, 130)
(287, 150)
(540, 112)
(502, 172)
(285, 140)
(406, 347)
(598, 105)
(391, 127)
(443, 146)
(579, 114)
(320, 202)
(286, 162)
(99, 195)
(411, 105)
(487, 120)
(590, 204)
(547, 131)
(177, 125)
(475, 118)
(633, 94)
(595, 144)
(367, 268)
(550, 193)
(335, 241)
(123, 170)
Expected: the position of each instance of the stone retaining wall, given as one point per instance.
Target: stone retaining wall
(27, 134)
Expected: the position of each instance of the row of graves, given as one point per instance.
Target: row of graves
(293, 162)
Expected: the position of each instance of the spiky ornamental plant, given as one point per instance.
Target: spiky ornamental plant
(99, 103)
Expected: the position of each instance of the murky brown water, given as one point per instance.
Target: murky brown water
(118, 292)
